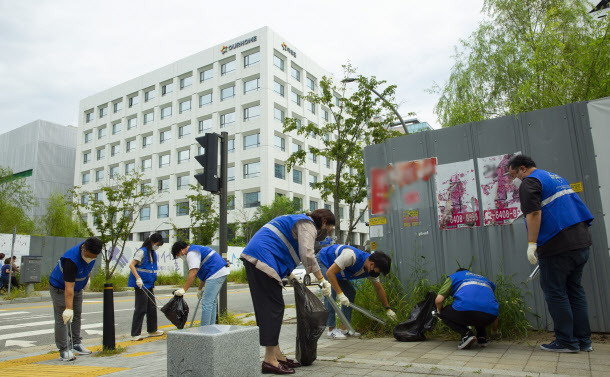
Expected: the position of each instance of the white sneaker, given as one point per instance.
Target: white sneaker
(156, 333)
(336, 334)
(79, 349)
(137, 338)
(346, 333)
(66, 355)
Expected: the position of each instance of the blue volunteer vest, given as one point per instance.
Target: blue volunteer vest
(473, 292)
(5, 272)
(147, 271)
(211, 261)
(561, 206)
(271, 244)
(330, 253)
(82, 270)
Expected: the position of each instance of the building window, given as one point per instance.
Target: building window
(86, 177)
(89, 117)
(101, 153)
(130, 167)
(312, 179)
(227, 93)
(103, 111)
(252, 141)
(312, 157)
(252, 170)
(149, 117)
(279, 142)
(252, 199)
(132, 123)
(133, 101)
(295, 97)
(163, 211)
(252, 59)
(163, 185)
(231, 202)
(295, 73)
(182, 209)
(84, 200)
(251, 85)
(278, 114)
(325, 115)
(280, 171)
(340, 212)
(231, 145)
(98, 196)
(147, 141)
(164, 160)
(88, 136)
(231, 173)
(145, 213)
(167, 88)
(184, 131)
(295, 147)
(186, 81)
(130, 145)
(206, 74)
(117, 106)
(278, 88)
(327, 162)
(101, 132)
(298, 202)
(227, 67)
(182, 182)
(99, 175)
(116, 128)
(297, 176)
(185, 106)
(278, 62)
(205, 124)
(252, 112)
(227, 119)
(166, 112)
(327, 206)
(313, 205)
(149, 95)
(86, 157)
(165, 136)
(205, 99)
(184, 156)
(147, 164)
(310, 106)
(311, 84)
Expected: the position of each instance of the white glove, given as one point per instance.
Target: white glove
(139, 283)
(326, 287)
(531, 252)
(390, 313)
(179, 292)
(68, 315)
(200, 294)
(343, 299)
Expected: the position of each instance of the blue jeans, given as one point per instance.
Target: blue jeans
(209, 301)
(348, 290)
(560, 279)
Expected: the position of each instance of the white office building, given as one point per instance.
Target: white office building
(245, 86)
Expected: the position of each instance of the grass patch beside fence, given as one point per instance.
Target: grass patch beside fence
(43, 285)
(238, 276)
(119, 281)
(175, 278)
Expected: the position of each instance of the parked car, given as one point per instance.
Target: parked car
(301, 276)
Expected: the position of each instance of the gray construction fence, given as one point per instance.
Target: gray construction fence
(570, 140)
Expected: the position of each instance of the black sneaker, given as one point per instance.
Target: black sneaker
(467, 341)
(588, 348)
(554, 346)
(482, 342)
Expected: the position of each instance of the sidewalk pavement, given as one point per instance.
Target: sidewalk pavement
(362, 357)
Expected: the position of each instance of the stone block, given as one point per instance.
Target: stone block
(213, 351)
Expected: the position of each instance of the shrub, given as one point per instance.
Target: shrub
(43, 285)
(175, 278)
(98, 279)
(238, 276)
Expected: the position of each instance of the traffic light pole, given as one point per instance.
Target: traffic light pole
(224, 155)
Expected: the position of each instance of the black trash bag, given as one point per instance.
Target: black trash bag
(177, 311)
(311, 323)
(420, 320)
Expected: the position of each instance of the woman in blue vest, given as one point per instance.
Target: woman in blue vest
(67, 281)
(5, 273)
(211, 269)
(474, 304)
(143, 275)
(342, 263)
(272, 253)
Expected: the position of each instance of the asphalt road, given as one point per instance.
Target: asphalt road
(24, 326)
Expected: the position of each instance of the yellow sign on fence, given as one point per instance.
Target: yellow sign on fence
(577, 187)
(378, 221)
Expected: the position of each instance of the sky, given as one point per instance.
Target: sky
(55, 53)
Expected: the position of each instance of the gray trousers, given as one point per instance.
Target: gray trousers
(59, 305)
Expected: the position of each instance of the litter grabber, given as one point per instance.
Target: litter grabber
(70, 340)
(151, 296)
(367, 313)
(348, 326)
(195, 313)
(534, 274)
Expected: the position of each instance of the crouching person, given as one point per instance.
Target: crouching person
(474, 305)
(67, 281)
(342, 263)
(211, 269)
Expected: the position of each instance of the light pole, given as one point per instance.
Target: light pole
(352, 79)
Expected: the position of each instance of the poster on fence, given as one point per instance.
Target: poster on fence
(499, 196)
(456, 194)
(22, 245)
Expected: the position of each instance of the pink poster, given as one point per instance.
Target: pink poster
(499, 196)
(456, 192)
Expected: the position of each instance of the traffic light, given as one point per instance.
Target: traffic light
(209, 160)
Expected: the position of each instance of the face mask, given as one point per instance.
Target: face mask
(322, 235)
(155, 247)
(517, 182)
(88, 260)
(374, 274)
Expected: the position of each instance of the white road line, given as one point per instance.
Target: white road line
(4, 314)
(28, 324)
(42, 332)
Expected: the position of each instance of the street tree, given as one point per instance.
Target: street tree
(280, 206)
(527, 55)
(355, 120)
(16, 198)
(203, 215)
(115, 208)
(60, 218)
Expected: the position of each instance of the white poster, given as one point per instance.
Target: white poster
(165, 262)
(375, 231)
(22, 246)
(499, 196)
(456, 193)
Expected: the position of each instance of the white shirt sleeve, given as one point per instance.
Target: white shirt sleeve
(139, 256)
(193, 259)
(346, 259)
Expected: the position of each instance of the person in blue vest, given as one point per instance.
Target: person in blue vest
(342, 263)
(5, 273)
(66, 284)
(474, 304)
(272, 254)
(143, 274)
(558, 238)
(211, 269)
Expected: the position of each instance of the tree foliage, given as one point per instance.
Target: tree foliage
(281, 206)
(355, 121)
(527, 55)
(60, 219)
(16, 198)
(115, 211)
(204, 216)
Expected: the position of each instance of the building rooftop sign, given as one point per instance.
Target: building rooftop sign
(288, 49)
(228, 48)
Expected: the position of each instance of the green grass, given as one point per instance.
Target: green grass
(108, 352)
(119, 281)
(15, 293)
(229, 318)
(175, 278)
(238, 276)
(43, 285)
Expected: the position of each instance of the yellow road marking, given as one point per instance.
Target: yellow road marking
(59, 370)
(137, 354)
